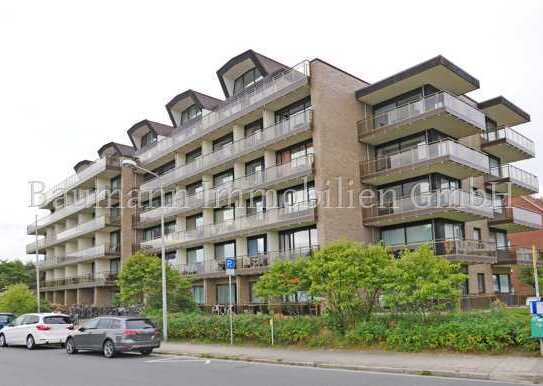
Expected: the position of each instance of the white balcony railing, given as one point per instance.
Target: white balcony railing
(84, 254)
(516, 176)
(527, 217)
(422, 106)
(513, 137)
(232, 108)
(427, 152)
(207, 198)
(296, 123)
(300, 212)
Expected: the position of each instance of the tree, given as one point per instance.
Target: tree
(526, 276)
(423, 282)
(13, 272)
(19, 299)
(351, 276)
(140, 283)
(285, 277)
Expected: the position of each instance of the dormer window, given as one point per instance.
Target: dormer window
(148, 139)
(248, 79)
(190, 113)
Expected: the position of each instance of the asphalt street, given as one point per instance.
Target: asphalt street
(53, 367)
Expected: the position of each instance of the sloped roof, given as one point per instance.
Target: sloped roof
(120, 149)
(156, 127)
(203, 101)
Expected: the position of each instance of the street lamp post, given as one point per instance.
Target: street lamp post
(132, 164)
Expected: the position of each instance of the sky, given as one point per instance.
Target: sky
(76, 75)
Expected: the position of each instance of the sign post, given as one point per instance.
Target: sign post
(537, 307)
(230, 271)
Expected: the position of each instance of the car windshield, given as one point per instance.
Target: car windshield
(57, 319)
(139, 324)
(4, 318)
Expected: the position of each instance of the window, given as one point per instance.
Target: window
(195, 255)
(477, 234)
(153, 233)
(255, 205)
(195, 221)
(247, 79)
(193, 155)
(223, 294)
(481, 283)
(298, 151)
(408, 234)
(139, 324)
(194, 188)
(286, 112)
(163, 169)
(115, 241)
(223, 178)
(254, 127)
(225, 250)
(190, 113)
(91, 324)
(256, 245)
(255, 166)
(502, 283)
(115, 183)
(104, 324)
(297, 197)
(252, 294)
(31, 319)
(148, 139)
(226, 213)
(115, 211)
(222, 142)
(198, 294)
(304, 239)
(170, 256)
(57, 319)
(114, 265)
(501, 239)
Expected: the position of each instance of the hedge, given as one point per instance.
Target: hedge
(484, 331)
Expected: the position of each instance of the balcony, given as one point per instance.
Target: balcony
(447, 204)
(104, 222)
(277, 176)
(233, 108)
(298, 123)
(456, 250)
(99, 279)
(513, 255)
(442, 111)
(272, 219)
(75, 180)
(508, 145)
(245, 265)
(446, 157)
(513, 219)
(512, 180)
(80, 256)
(86, 202)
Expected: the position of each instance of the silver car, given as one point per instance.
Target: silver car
(112, 334)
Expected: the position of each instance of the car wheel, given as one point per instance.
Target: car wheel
(3, 341)
(146, 352)
(109, 349)
(70, 347)
(30, 344)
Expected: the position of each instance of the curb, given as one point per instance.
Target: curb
(524, 378)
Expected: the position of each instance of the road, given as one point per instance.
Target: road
(52, 367)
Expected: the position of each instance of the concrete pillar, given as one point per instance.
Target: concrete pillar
(70, 271)
(207, 147)
(128, 182)
(83, 218)
(59, 251)
(208, 214)
(207, 181)
(210, 292)
(209, 251)
(84, 243)
(101, 266)
(70, 297)
(485, 269)
(180, 159)
(272, 241)
(239, 169)
(268, 118)
(269, 158)
(103, 296)
(238, 132)
(241, 246)
(85, 296)
(71, 247)
(242, 289)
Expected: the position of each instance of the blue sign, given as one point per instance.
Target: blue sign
(230, 264)
(536, 307)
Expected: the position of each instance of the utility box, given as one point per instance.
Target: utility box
(536, 325)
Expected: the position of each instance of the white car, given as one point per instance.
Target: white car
(35, 329)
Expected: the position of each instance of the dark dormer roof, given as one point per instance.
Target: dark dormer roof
(82, 164)
(159, 129)
(119, 148)
(265, 65)
(203, 101)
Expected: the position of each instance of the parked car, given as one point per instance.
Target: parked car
(6, 318)
(31, 330)
(115, 334)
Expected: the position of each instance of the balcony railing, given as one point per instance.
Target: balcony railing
(420, 107)
(515, 175)
(244, 263)
(232, 108)
(518, 255)
(74, 180)
(82, 255)
(85, 202)
(455, 249)
(296, 123)
(98, 278)
(443, 199)
(427, 152)
(301, 212)
(518, 216)
(210, 197)
(513, 137)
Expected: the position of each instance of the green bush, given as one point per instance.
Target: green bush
(19, 299)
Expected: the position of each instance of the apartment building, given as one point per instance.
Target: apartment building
(281, 166)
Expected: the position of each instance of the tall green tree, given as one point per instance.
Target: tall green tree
(19, 299)
(13, 272)
(422, 282)
(285, 277)
(140, 283)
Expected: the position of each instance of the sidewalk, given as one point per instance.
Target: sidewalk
(498, 367)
